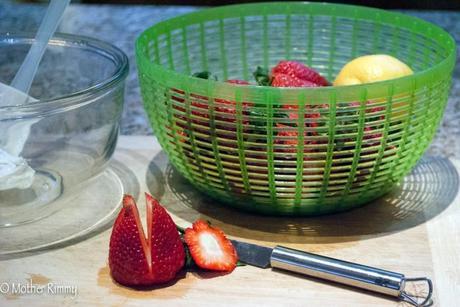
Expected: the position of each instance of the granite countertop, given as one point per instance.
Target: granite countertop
(120, 25)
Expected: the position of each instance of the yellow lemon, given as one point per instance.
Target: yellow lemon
(377, 67)
(372, 68)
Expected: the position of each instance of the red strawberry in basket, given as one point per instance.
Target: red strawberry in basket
(283, 80)
(200, 103)
(297, 71)
(289, 136)
(231, 108)
(200, 107)
(375, 109)
(296, 74)
(139, 260)
(209, 247)
(224, 112)
(232, 104)
(374, 138)
(236, 81)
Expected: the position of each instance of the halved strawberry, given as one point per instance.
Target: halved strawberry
(129, 257)
(209, 247)
(137, 260)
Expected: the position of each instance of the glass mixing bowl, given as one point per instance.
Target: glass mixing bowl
(70, 132)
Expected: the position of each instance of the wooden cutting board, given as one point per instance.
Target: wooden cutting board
(415, 231)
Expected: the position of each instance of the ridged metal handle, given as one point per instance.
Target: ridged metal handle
(344, 272)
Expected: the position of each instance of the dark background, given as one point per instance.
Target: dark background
(385, 4)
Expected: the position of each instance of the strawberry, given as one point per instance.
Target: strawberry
(297, 70)
(290, 138)
(375, 109)
(179, 134)
(200, 103)
(137, 260)
(374, 138)
(237, 81)
(370, 125)
(231, 108)
(224, 111)
(296, 74)
(128, 254)
(285, 80)
(209, 247)
(167, 250)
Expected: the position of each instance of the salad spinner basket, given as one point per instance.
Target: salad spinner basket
(295, 151)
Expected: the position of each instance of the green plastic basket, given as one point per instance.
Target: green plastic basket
(337, 148)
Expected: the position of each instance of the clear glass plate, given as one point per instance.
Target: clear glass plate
(79, 213)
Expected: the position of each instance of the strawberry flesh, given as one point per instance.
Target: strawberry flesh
(209, 247)
(137, 260)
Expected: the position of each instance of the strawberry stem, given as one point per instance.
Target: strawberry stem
(189, 263)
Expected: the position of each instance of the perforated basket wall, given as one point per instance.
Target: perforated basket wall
(292, 150)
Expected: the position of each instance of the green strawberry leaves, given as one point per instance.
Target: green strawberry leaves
(205, 75)
(262, 76)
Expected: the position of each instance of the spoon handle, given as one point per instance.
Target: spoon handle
(26, 73)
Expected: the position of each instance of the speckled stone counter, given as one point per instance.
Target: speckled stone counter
(120, 25)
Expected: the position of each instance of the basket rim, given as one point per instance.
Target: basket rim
(412, 23)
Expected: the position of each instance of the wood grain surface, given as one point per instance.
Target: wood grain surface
(414, 230)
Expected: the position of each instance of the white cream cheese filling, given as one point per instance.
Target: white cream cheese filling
(14, 170)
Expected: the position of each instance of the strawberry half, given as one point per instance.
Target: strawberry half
(209, 247)
(137, 260)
